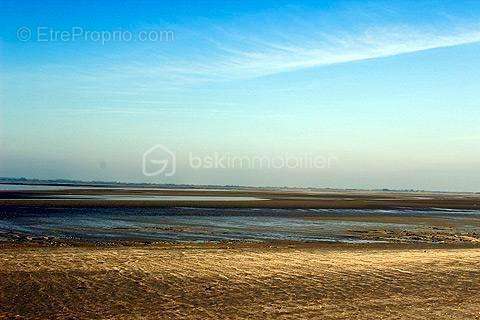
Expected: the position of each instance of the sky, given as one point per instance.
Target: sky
(385, 93)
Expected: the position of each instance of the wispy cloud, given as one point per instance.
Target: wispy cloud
(266, 58)
(235, 55)
(254, 47)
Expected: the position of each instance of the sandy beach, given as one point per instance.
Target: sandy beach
(240, 281)
(84, 254)
(240, 160)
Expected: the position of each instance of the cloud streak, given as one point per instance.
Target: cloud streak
(256, 58)
(250, 50)
(256, 46)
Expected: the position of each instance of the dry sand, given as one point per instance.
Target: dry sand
(240, 282)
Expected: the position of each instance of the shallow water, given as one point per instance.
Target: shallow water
(116, 197)
(196, 224)
(27, 187)
(40, 187)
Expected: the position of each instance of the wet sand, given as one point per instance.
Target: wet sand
(50, 225)
(240, 281)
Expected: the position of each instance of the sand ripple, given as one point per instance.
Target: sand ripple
(228, 283)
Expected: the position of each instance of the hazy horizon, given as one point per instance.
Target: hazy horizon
(339, 94)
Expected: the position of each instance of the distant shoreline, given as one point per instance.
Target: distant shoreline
(106, 184)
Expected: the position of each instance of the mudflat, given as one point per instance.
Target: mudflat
(260, 198)
(240, 281)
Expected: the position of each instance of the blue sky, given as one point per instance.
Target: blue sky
(390, 89)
